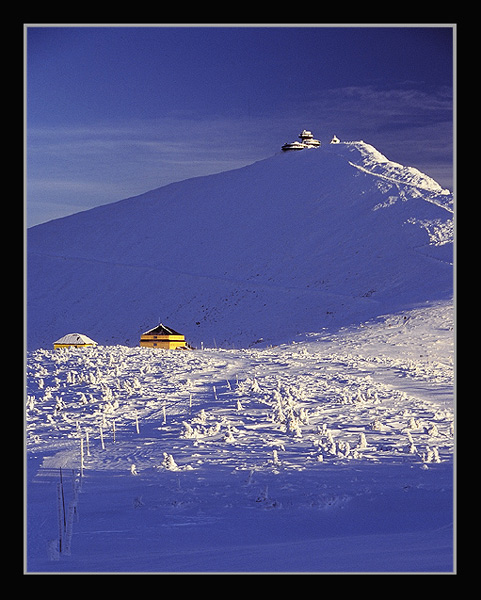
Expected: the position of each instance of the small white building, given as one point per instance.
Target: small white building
(74, 340)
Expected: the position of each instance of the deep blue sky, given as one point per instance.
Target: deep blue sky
(115, 111)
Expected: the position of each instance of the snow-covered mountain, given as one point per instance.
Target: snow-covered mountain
(332, 452)
(286, 246)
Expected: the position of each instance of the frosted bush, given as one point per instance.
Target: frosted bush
(229, 438)
(169, 462)
(431, 455)
(376, 425)
(304, 416)
(293, 426)
(362, 444)
(343, 449)
(201, 418)
(214, 430)
(107, 394)
(359, 397)
(278, 414)
(276, 396)
(332, 448)
(188, 431)
(255, 388)
(411, 448)
(323, 429)
(413, 424)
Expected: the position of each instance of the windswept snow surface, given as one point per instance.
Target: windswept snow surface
(323, 237)
(333, 453)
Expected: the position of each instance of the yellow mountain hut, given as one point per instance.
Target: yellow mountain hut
(163, 337)
(74, 340)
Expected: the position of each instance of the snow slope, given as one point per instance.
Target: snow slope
(287, 245)
(332, 454)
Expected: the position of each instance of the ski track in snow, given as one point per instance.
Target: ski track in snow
(352, 425)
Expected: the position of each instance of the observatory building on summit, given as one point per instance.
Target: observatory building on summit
(307, 141)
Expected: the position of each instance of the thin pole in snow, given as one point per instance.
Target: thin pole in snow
(63, 497)
(81, 457)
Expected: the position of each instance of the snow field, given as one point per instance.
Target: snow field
(165, 452)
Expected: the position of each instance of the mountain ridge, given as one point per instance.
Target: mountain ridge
(289, 244)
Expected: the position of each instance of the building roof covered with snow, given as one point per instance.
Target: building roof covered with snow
(77, 340)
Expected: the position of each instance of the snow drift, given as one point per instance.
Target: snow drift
(285, 246)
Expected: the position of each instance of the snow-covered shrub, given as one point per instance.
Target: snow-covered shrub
(430, 455)
(332, 449)
(255, 387)
(413, 424)
(201, 418)
(362, 444)
(304, 416)
(276, 396)
(229, 438)
(411, 448)
(188, 431)
(343, 449)
(214, 430)
(169, 462)
(293, 425)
